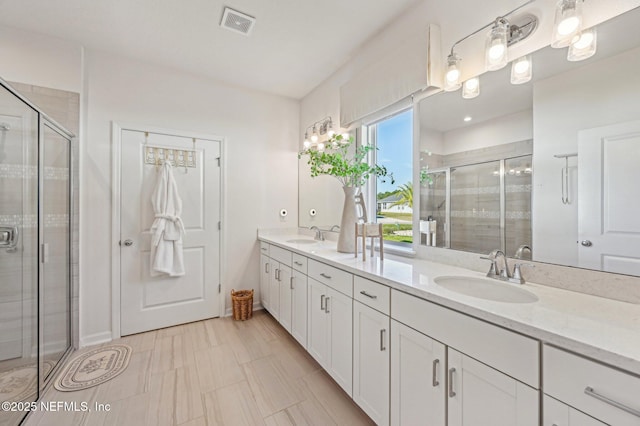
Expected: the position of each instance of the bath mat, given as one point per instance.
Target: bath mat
(93, 368)
(21, 383)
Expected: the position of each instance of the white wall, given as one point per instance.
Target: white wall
(509, 128)
(594, 95)
(261, 133)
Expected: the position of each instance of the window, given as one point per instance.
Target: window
(392, 199)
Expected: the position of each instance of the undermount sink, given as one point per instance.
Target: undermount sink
(301, 241)
(488, 289)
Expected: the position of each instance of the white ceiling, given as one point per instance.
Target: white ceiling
(295, 44)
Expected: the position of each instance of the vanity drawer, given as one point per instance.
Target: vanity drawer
(299, 263)
(514, 354)
(281, 255)
(582, 383)
(333, 277)
(372, 294)
(264, 248)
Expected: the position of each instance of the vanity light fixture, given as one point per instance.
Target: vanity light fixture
(452, 76)
(496, 46)
(521, 70)
(567, 23)
(583, 46)
(317, 130)
(471, 88)
(503, 34)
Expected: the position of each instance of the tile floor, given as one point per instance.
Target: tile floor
(213, 372)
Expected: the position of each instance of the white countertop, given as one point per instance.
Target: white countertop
(602, 329)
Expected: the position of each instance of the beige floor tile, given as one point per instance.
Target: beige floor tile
(213, 372)
(233, 405)
(271, 387)
(217, 367)
(334, 400)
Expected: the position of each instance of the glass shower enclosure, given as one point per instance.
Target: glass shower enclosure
(35, 250)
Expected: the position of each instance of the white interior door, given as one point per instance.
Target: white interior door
(609, 198)
(149, 303)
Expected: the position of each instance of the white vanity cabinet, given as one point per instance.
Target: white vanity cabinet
(555, 413)
(492, 374)
(418, 381)
(299, 284)
(604, 393)
(330, 321)
(371, 348)
(280, 277)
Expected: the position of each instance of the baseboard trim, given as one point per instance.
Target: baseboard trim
(95, 339)
(256, 307)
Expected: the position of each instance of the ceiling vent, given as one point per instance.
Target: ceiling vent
(237, 21)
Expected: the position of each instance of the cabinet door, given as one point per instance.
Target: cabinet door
(480, 395)
(299, 307)
(558, 414)
(318, 330)
(418, 378)
(265, 274)
(371, 362)
(284, 280)
(339, 308)
(274, 290)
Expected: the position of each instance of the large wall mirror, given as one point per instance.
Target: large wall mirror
(549, 169)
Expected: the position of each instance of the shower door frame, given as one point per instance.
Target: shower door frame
(45, 121)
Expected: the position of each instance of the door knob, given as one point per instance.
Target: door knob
(586, 243)
(128, 243)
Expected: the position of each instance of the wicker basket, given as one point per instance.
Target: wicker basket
(242, 301)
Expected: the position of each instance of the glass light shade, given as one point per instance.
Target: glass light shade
(452, 75)
(521, 70)
(345, 138)
(584, 46)
(321, 146)
(471, 88)
(567, 23)
(496, 47)
(306, 144)
(330, 132)
(314, 135)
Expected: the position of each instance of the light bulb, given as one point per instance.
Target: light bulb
(321, 146)
(567, 23)
(306, 144)
(330, 132)
(314, 135)
(452, 76)
(345, 138)
(584, 46)
(496, 46)
(521, 70)
(471, 88)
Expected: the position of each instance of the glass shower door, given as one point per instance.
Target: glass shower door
(55, 292)
(18, 254)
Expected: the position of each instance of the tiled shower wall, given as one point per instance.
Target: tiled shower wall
(64, 108)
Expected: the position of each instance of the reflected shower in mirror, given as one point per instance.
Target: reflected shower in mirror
(493, 168)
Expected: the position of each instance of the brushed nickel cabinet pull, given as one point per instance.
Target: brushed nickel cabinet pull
(591, 392)
(452, 393)
(326, 304)
(382, 347)
(325, 276)
(322, 302)
(291, 283)
(370, 296)
(434, 380)
(298, 263)
(266, 267)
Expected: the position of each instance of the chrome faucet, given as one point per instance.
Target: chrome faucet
(521, 250)
(319, 235)
(505, 274)
(335, 228)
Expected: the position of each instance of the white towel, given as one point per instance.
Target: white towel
(167, 229)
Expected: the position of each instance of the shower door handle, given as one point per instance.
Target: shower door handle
(9, 238)
(128, 243)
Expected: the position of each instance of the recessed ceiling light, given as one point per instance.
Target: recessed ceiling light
(467, 118)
